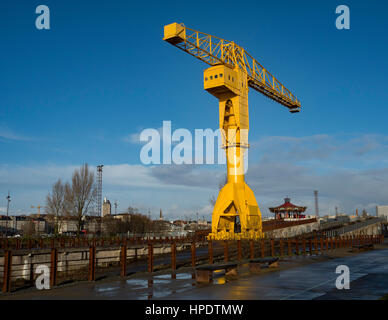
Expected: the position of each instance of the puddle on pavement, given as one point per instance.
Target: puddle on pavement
(105, 289)
(178, 276)
(139, 283)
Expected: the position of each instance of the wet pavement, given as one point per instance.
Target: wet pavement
(301, 278)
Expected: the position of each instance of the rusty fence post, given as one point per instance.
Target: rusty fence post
(123, 261)
(304, 246)
(316, 245)
(53, 267)
(226, 251)
(150, 260)
(289, 245)
(173, 256)
(193, 254)
(272, 247)
(251, 249)
(92, 263)
(311, 247)
(281, 247)
(210, 249)
(262, 248)
(7, 271)
(239, 251)
(296, 246)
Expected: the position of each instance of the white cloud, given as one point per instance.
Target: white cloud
(349, 172)
(8, 134)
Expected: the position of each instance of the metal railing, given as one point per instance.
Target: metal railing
(18, 268)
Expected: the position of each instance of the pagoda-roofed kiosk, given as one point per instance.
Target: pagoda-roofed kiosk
(288, 210)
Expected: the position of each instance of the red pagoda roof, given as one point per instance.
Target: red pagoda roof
(287, 206)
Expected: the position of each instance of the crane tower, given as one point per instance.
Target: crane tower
(236, 214)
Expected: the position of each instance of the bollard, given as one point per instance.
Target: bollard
(281, 247)
(226, 251)
(193, 257)
(53, 267)
(272, 248)
(150, 261)
(239, 252)
(92, 263)
(210, 249)
(289, 245)
(251, 249)
(123, 261)
(7, 271)
(173, 256)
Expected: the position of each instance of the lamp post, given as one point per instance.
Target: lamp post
(6, 222)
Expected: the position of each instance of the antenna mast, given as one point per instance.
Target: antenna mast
(99, 190)
(316, 203)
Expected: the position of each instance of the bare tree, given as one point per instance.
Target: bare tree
(55, 204)
(221, 184)
(80, 195)
(28, 229)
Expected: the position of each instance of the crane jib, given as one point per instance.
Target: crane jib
(214, 51)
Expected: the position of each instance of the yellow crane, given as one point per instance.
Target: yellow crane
(233, 71)
(37, 207)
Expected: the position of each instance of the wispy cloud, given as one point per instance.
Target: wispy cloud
(278, 167)
(8, 134)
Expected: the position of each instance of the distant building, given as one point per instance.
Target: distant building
(68, 225)
(382, 212)
(125, 217)
(106, 208)
(288, 210)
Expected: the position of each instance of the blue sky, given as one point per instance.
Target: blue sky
(76, 93)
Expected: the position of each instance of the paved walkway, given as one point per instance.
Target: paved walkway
(299, 278)
(368, 276)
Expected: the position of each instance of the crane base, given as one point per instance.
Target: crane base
(236, 215)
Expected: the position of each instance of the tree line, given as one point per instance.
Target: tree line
(75, 200)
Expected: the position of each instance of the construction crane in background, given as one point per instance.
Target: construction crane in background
(38, 208)
(99, 191)
(233, 71)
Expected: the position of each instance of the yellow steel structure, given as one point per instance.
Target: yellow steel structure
(233, 71)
